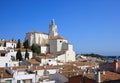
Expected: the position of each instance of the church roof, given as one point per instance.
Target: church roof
(32, 32)
(58, 37)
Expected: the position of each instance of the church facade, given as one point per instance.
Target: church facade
(52, 43)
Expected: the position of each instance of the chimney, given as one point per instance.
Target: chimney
(84, 73)
(98, 77)
(116, 64)
(103, 72)
(28, 67)
(11, 68)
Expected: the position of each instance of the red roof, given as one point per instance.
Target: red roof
(58, 37)
(3, 51)
(46, 56)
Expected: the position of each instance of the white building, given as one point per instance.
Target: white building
(52, 29)
(5, 59)
(23, 76)
(8, 43)
(23, 51)
(53, 43)
(17, 75)
(35, 37)
(13, 52)
(44, 48)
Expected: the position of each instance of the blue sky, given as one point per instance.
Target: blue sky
(92, 26)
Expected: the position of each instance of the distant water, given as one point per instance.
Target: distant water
(111, 59)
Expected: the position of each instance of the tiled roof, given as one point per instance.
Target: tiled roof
(32, 32)
(47, 56)
(118, 64)
(33, 61)
(52, 67)
(11, 41)
(70, 70)
(22, 49)
(106, 77)
(19, 67)
(59, 78)
(58, 37)
(82, 63)
(61, 52)
(3, 51)
(36, 67)
(43, 67)
(4, 74)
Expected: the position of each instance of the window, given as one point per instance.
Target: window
(8, 81)
(60, 41)
(2, 54)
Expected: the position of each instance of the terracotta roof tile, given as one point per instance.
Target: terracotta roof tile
(82, 63)
(47, 56)
(19, 67)
(22, 49)
(106, 77)
(33, 61)
(52, 67)
(3, 51)
(4, 74)
(70, 70)
(58, 37)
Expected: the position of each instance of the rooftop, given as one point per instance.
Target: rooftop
(58, 37)
(33, 61)
(46, 56)
(4, 74)
(105, 77)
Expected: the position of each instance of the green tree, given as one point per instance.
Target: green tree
(18, 44)
(35, 49)
(19, 55)
(26, 54)
(5, 44)
(26, 44)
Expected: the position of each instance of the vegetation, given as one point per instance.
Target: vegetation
(94, 55)
(19, 55)
(35, 49)
(5, 44)
(18, 44)
(26, 44)
(26, 54)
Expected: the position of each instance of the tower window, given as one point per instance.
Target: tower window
(60, 41)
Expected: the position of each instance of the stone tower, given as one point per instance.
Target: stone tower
(52, 29)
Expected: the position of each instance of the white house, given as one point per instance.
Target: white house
(44, 49)
(23, 76)
(4, 58)
(19, 74)
(13, 52)
(23, 51)
(11, 43)
(49, 59)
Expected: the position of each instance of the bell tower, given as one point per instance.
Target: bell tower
(52, 29)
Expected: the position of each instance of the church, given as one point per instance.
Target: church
(52, 43)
